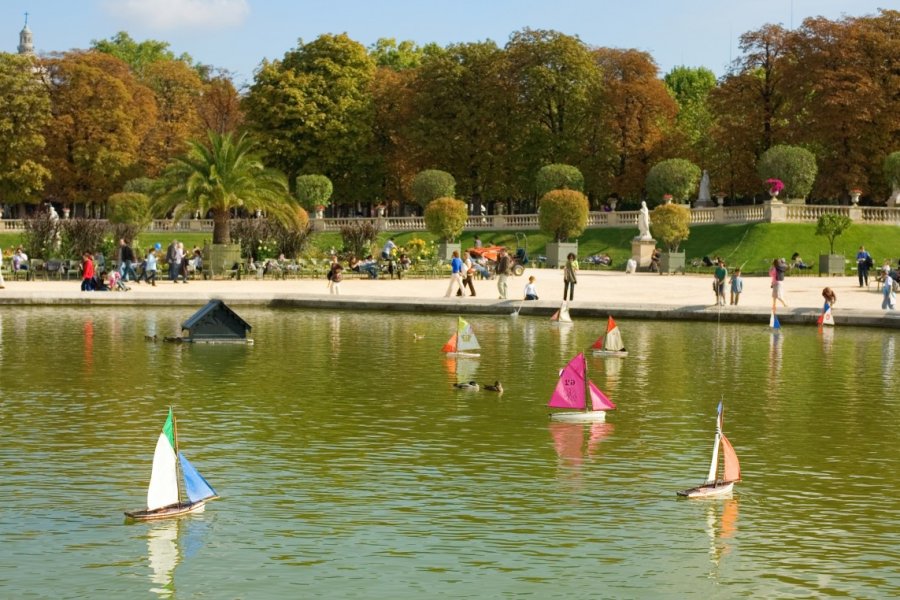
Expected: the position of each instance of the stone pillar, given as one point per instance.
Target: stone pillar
(856, 213)
(719, 214)
(775, 212)
(642, 251)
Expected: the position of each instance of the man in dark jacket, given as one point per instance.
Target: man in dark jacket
(170, 260)
(126, 259)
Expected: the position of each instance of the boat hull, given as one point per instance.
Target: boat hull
(616, 353)
(469, 354)
(711, 490)
(166, 512)
(581, 416)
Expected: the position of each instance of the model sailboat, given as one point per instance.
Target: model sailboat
(574, 390)
(774, 323)
(732, 471)
(826, 318)
(463, 342)
(164, 495)
(561, 316)
(611, 344)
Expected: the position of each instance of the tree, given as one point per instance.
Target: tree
(139, 55)
(691, 87)
(24, 112)
(130, 208)
(563, 214)
(558, 177)
(313, 110)
(313, 191)
(177, 89)
(831, 225)
(446, 218)
(675, 176)
(671, 224)
(891, 169)
(386, 52)
(219, 176)
(794, 166)
(431, 184)
(219, 106)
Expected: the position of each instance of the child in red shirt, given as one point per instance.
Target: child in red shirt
(87, 270)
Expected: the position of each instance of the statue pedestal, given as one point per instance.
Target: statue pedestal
(642, 251)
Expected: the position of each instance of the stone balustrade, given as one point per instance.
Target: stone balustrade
(757, 213)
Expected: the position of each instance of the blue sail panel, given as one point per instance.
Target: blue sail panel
(195, 486)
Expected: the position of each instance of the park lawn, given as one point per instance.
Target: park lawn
(751, 246)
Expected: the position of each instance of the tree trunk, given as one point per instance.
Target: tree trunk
(221, 227)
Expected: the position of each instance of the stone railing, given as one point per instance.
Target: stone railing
(757, 213)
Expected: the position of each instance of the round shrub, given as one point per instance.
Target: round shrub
(313, 191)
(675, 176)
(558, 177)
(793, 165)
(431, 184)
(671, 225)
(130, 208)
(446, 218)
(563, 214)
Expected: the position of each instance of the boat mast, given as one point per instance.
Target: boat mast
(587, 390)
(179, 477)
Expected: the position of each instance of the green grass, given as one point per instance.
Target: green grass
(751, 246)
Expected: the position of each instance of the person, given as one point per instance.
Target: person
(889, 297)
(331, 267)
(196, 262)
(654, 261)
(569, 276)
(719, 283)
(20, 260)
(707, 262)
(126, 261)
(456, 274)
(478, 242)
(116, 283)
(180, 263)
(404, 264)
(389, 247)
(150, 267)
(370, 266)
(863, 264)
(530, 289)
(2, 283)
(480, 265)
(170, 260)
(468, 275)
(737, 286)
(644, 222)
(87, 272)
(503, 264)
(779, 266)
(336, 278)
(797, 262)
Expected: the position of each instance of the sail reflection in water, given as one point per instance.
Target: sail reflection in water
(721, 526)
(569, 441)
(170, 543)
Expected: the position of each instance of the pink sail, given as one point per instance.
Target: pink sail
(599, 401)
(569, 392)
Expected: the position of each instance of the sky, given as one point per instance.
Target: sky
(238, 34)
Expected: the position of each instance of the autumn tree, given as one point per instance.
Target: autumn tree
(177, 89)
(24, 113)
(219, 105)
(139, 55)
(396, 164)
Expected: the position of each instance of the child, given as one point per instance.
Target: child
(890, 299)
(720, 274)
(87, 272)
(336, 278)
(116, 283)
(531, 290)
(830, 296)
(150, 267)
(737, 286)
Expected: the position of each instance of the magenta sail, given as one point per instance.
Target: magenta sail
(569, 392)
(599, 401)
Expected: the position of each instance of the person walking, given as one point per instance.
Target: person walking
(150, 267)
(569, 277)
(863, 264)
(469, 274)
(456, 271)
(779, 266)
(126, 261)
(503, 273)
(170, 260)
(889, 300)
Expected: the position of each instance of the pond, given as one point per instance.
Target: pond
(348, 465)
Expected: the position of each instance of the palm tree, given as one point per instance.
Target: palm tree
(222, 175)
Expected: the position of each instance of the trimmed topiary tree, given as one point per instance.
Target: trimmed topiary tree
(671, 225)
(563, 214)
(431, 184)
(130, 208)
(313, 191)
(446, 218)
(558, 177)
(675, 176)
(832, 225)
(793, 165)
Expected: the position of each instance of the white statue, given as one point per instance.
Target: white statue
(644, 223)
(704, 199)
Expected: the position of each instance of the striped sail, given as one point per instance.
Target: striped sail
(613, 339)
(465, 337)
(163, 489)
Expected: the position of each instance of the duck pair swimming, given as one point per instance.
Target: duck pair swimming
(473, 386)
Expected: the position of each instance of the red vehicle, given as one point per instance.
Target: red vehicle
(491, 254)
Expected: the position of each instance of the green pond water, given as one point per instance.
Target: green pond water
(349, 467)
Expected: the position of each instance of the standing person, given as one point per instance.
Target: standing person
(469, 274)
(87, 272)
(569, 278)
(478, 242)
(779, 266)
(503, 273)
(2, 283)
(337, 277)
(456, 268)
(170, 260)
(830, 296)
(150, 267)
(531, 289)
(389, 247)
(720, 274)
(863, 264)
(887, 290)
(126, 261)
(330, 274)
(737, 286)
(180, 263)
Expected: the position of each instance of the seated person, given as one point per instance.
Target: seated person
(196, 261)
(404, 262)
(480, 266)
(708, 262)
(354, 264)
(798, 263)
(654, 260)
(600, 259)
(370, 266)
(20, 260)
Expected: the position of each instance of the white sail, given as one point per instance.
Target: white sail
(613, 340)
(163, 490)
(465, 338)
(714, 464)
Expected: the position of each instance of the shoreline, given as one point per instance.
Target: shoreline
(598, 294)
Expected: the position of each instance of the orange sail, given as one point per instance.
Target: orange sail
(732, 466)
(450, 346)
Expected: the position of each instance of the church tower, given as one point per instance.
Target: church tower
(26, 44)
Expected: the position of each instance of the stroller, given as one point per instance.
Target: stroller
(115, 282)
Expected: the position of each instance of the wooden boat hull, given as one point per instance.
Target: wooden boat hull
(616, 353)
(561, 323)
(711, 490)
(469, 354)
(166, 512)
(580, 416)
